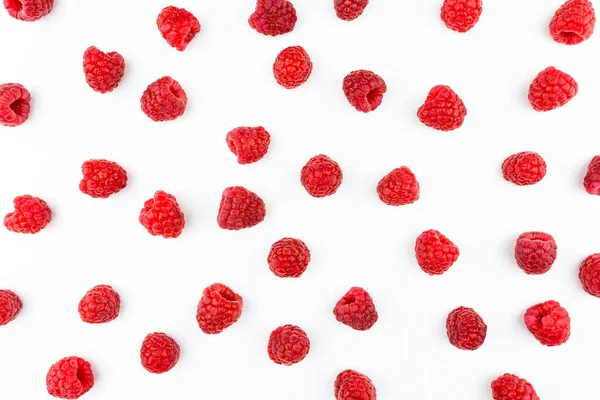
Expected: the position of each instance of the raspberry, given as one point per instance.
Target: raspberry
(102, 178)
(178, 26)
(164, 100)
(321, 176)
(399, 187)
(159, 353)
(511, 387)
(288, 258)
(31, 215)
(349, 10)
(273, 17)
(524, 168)
(70, 378)
(551, 89)
(28, 10)
(535, 252)
(589, 274)
(573, 22)
(103, 71)
(591, 182)
(248, 144)
(15, 104)
(356, 309)
(292, 67)
(435, 252)
(549, 323)
(461, 15)
(352, 385)
(443, 109)
(288, 345)
(161, 216)
(10, 305)
(364, 90)
(219, 308)
(240, 208)
(466, 329)
(99, 305)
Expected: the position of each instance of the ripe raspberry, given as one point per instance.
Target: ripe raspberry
(549, 323)
(15, 104)
(164, 100)
(349, 10)
(535, 252)
(273, 17)
(443, 109)
(591, 182)
(288, 258)
(103, 71)
(240, 208)
(10, 305)
(178, 26)
(248, 144)
(511, 387)
(589, 274)
(435, 252)
(352, 385)
(461, 15)
(159, 353)
(524, 168)
(364, 90)
(466, 329)
(573, 22)
(31, 215)
(102, 178)
(161, 216)
(70, 378)
(321, 176)
(28, 10)
(356, 309)
(551, 89)
(292, 67)
(288, 345)
(99, 305)
(219, 308)
(399, 187)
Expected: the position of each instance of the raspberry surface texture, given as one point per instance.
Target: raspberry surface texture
(591, 182)
(273, 17)
(15, 104)
(159, 353)
(177, 26)
(164, 100)
(349, 10)
(10, 305)
(535, 252)
(288, 258)
(321, 176)
(443, 109)
(219, 308)
(161, 216)
(292, 67)
(549, 323)
(103, 71)
(573, 22)
(248, 144)
(288, 345)
(589, 274)
(356, 310)
(465, 328)
(511, 387)
(70, 378)
(461, 15)
(435, 252)
(31, 215)
(364, 90)
(398, 188)
(524, 168)
(102, 178)
(240, 209)
(352, 385)
(100, 304)
(551, 89)
(28, 10)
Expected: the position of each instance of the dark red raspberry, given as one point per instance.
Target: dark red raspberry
(10, 305)
(102, 178)
(352, 385)
(161, 216)
(466, 329)
(511, 387)
(443, 109)
(288, 345)
(549, 323)
(159, 353)
(524, 168)
(28, 10)
(70, 378)
(435, 252)
(103, 71)
(399, 187)
(288, 258)
(573, 22)
(364, 90)
(164, 100)
(273, 17)
(551, 89)
(591, 182)
(356, 309)
(248, 144)
(15, 104)
(219, 308)
(535, 252)
(31, 215)
(321, 176)
(99, 305)
(349, 10)
(461, 15)
(589, 274)
(178, 26)
(292, 67)
(240, 208)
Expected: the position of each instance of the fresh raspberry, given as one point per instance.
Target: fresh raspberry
(435, 252)
(273, 17)
(364, 90)
(240, 208)
(10, 305)
(466, 329)
(70, 378)
(31, 215)
(159, 353)
(461, 15)
(591, 182)
(164, 100)
(443, 109)
(99, 305)
(352, 385)
(511, 387)
(549, 323)
(248, 144)
(292, 67)
(288, 345)
(399, 187)
(288, 258)
(321, 176)
(349, 10)
(102, 178)
(535, 252)
(15, 104)
(551, 89)
(178, 26)
(28, 10)
(573, 22)
(589, 274)
(161, 216)
(356, 309)
(524, 168)
(219, 308)
(103, 71)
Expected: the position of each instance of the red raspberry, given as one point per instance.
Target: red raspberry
(240, 208)
(292, 67)
(161, 216)
(164, 100)
(524, 168)
(159, 353)
(549, 323)
(288, 258)
(178, 26)
(356, 309)
(591, 182)
(589, 274)
(535, 252)
(28, 10)
(273, 17)
(321, 176)
(443, 109)
(15, 104)
(99, 305)
(219, 308)
(288, 345)
(70, 378)
(31, 215)
(511, 387)
(435, 252)
(551, 89)
(461, 15)
(466, 329)
(352, 385)
(102, 178)
(364, 90)
(103, 71)
(10, 305)
(248, 144)
(573, 22)
(349, 10)
(399, 187)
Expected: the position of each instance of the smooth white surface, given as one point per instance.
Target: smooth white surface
(354, 238)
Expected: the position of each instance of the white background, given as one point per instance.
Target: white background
(354, 238)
